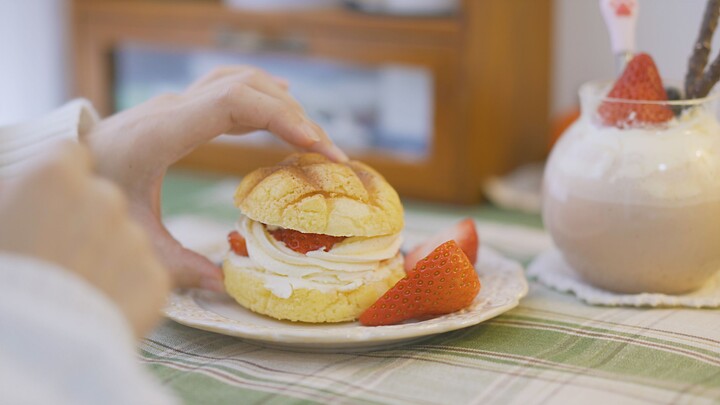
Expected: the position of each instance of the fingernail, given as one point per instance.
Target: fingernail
(212, 284)
(281, 81)
(338, 154)
(310, 133)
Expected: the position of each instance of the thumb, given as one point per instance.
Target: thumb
(192, 270)
(187, 269)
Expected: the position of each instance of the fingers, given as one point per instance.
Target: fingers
(282, 82)
(65, 171)
(82, 156)
(240, 72)
(265, 83)
(257, 79)
(126, 266)
(64, 214)
(327, 147)
(191, 269)
(228, 101)
(69, 158)
(193, 121)
(218, 74)
(110, 196)
(249, 107)
(272, 89)
(257, 100)
(187, 268)
(150, 274)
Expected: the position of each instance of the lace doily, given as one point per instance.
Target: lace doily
(551, 270)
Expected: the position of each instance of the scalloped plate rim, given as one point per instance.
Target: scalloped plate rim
(182, 303)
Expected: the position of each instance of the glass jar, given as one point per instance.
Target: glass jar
(635, 207)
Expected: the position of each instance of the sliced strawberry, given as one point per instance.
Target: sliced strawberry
(641, 82)
(305, 242)
(237, 243)
(464, 233)
(441, 283)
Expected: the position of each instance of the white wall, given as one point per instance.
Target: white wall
(32, 58)
(667, 30)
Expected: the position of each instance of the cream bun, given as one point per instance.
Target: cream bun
(322, 240)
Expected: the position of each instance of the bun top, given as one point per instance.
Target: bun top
(309, 193)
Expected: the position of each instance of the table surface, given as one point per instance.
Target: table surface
(552, 348)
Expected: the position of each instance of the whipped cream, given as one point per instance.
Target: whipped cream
(346, 266)
(673, 164)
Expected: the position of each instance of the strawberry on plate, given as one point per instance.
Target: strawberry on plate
(305, 242)
(237, 243)
(639, 82)
(464, 233)
(443, 282)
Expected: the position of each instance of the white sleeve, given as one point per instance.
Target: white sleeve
(63, 342)
(24, 145)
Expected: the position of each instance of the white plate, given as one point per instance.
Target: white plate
(503, 284)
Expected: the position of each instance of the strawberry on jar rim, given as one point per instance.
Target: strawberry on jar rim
(639, 82)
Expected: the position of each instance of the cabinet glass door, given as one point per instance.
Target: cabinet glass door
(363, 107)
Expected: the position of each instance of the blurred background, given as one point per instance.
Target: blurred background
(441, 96)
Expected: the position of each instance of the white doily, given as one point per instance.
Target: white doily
(550, 269)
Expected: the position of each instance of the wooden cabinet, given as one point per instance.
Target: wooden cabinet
(489, 66)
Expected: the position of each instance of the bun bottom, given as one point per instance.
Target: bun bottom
(306, 305)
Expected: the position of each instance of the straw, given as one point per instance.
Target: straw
(697, 83)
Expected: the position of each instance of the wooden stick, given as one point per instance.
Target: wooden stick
(701, 51)
(707, 81)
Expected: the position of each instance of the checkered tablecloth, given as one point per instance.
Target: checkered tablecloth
(550, 349)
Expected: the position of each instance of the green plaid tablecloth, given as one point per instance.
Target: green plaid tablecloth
(550, 349)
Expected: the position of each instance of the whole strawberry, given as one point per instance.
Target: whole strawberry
(305, 242)
(639, 82)
(443, 282)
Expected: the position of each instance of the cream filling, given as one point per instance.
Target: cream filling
(347, 266)
(283, 286)
(672, 165)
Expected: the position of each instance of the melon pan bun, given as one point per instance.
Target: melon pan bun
(309, 193)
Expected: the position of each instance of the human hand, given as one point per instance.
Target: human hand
(134, 148)
(63, 214)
